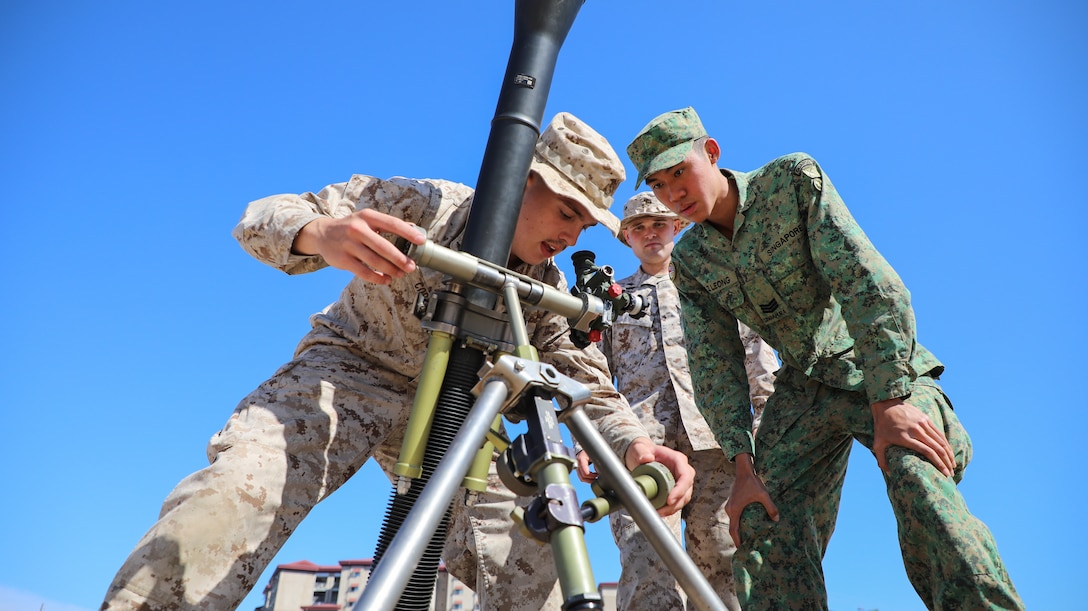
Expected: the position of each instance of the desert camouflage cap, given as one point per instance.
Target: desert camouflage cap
(664, 142)
(642, 205)
(577, 162)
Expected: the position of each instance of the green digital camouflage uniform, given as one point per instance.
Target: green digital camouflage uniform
(346, 397)
(801, 273)
(647, 358)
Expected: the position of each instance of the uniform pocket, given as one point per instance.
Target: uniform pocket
(788, 270)
(633, 341)
(626, 320)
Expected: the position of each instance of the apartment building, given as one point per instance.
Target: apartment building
(305, 586)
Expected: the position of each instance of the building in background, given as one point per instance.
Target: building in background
(608, 594)
(305, 586)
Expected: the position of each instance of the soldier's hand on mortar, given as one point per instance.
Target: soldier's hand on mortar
(642, 451)
(585, 467)
(898, 423)
(353, 243)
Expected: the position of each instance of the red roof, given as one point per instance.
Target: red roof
(364, 562)
(306, 566)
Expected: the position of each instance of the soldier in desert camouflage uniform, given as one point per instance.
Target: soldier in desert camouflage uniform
(647, 359)
(777, 249)
(346, 395)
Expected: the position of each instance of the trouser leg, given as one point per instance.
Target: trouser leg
(289, 444)
(950, 555)
(801, 453)
(485, 549)
(215, 534)
(645, 582)
(706, 532)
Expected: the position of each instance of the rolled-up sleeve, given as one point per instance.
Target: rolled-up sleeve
(269, 225)
(607, 408)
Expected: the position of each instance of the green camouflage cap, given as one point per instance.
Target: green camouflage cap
(664, 142)
(642, 205)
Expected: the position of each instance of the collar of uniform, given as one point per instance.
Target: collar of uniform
(741, 180)
(701, 242)
(640, 277)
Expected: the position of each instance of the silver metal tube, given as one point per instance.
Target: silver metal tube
(468, 269)
(513, 306)
(393, 573)
(642, 511)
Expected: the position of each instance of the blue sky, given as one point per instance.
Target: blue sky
(134, 134)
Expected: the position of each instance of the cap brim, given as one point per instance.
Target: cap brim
(665, 159)
(627, 221)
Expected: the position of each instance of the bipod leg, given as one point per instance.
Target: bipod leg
(554, 515)
(390, 576)
(616, 477)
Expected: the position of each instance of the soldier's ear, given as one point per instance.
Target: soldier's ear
(713, 151)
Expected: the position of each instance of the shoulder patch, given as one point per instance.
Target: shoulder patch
(803, 164)
(807, 167)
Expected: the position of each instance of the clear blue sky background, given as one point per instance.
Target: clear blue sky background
(134, 133)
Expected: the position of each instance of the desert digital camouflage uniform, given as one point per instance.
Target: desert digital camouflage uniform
(647, 358)
(803, 275)
(346, 397)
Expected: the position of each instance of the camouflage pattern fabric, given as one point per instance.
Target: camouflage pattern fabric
(345, 397)
(821, 312)
(802, 451)
(647, 358)
(646, 584)
(801, 273)
(761, 364)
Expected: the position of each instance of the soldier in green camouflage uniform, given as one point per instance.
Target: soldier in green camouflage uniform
(647, 359)
(777, 249)
(347, 394)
